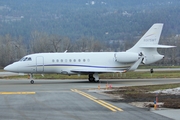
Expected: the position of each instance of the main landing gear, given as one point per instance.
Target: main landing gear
(31, 77)
(93, 77)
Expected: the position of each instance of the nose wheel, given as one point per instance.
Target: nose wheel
(32, 81)
(31, 77)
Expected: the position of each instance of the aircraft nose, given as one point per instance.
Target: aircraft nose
(8, 68)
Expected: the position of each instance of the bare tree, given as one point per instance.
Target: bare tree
(40, 42)
(55, 42)
(11, 49)
(67, 44)
(88, 45)
(81, 44)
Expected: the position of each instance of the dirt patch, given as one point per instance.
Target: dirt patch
(143, 94)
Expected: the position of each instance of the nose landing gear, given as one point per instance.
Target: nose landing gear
(32, 81)
(31, 77)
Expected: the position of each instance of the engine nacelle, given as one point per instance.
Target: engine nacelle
(126, 57)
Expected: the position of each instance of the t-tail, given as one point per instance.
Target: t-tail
(147, 46)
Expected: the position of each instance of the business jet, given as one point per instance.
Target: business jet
(93, 63)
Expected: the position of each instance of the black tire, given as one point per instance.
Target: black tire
(97, 81)
(91, 78)
(32, 81)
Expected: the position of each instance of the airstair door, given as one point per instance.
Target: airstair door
(39, 64)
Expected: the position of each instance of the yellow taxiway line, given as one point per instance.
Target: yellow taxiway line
(101, 102)
(16, 93)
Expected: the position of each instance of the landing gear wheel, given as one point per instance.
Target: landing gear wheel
(97, 81)
(32, 81)
(91, 78)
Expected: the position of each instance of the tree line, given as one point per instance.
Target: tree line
(13, 48)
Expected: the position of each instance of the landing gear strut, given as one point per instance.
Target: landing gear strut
(31, 77)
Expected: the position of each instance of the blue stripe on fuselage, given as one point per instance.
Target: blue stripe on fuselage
(64, 65)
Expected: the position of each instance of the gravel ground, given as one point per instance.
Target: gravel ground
(169, 98)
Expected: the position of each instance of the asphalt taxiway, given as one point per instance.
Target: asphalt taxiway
(70, 100)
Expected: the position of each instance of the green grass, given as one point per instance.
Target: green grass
(151, 66)
(142, 75)
(128, 75)
(162, 74)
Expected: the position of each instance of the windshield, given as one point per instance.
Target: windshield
(25, 59)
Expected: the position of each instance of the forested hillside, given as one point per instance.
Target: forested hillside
(110, 25)
(102, 20)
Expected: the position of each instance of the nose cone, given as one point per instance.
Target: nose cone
(9, 68)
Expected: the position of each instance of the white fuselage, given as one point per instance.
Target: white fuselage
(65, 62)
(73, 63)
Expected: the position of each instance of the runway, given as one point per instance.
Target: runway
(70, 100)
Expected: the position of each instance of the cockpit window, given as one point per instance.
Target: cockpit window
(21, 59)
(25, 59)
(29, 59)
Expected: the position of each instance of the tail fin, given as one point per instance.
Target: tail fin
(148, 44)
(150, 38)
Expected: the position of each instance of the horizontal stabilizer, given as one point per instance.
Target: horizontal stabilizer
(157, 46)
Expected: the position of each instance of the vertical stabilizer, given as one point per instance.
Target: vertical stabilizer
(148, 44)
(150, 38)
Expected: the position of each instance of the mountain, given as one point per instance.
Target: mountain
(100, 19)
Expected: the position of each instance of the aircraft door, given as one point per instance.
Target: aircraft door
(39, 64)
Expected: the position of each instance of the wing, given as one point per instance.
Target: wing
(99, 70)
(107, 70)
(103, 70)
